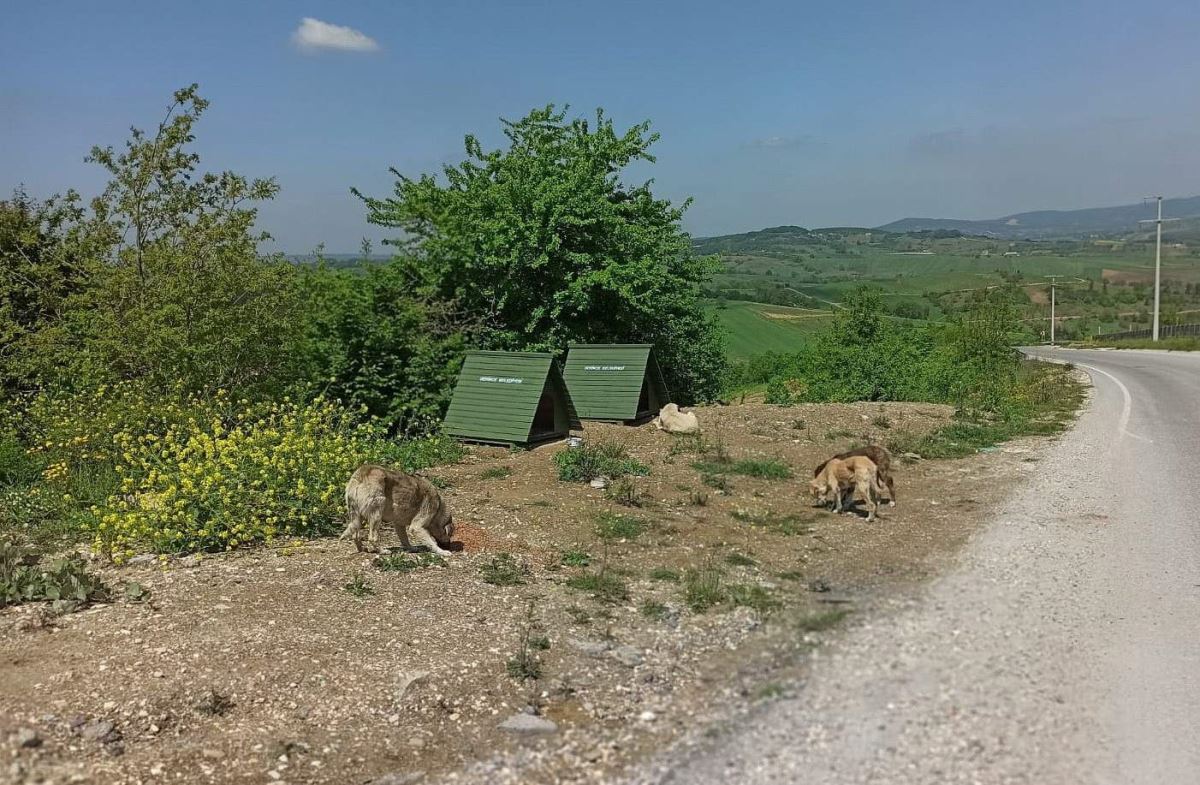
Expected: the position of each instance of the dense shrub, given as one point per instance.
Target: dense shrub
(219, 482)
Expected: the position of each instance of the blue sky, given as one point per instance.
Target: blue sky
(816, 114)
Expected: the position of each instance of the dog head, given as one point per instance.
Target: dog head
(819, 489)
(442, 525)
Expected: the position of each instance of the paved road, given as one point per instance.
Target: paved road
(1064, 648)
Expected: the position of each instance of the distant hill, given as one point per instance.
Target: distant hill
(1054, 224)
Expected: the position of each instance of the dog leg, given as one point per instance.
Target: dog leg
(423, 537)
(891, 486)
(353, 530)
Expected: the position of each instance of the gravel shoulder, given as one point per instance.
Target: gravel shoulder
(259, 666)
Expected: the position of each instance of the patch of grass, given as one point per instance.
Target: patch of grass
(611, 527)
(740, 560)
(752, 595)
(65, 583)
(440, 483)
(788, 525)
(575, 558)
(717, 482)
(539, 503)
(792, 575)
(687, 443)
(799, 425)
(603, 586)
(882, 421)
(496, 473)
(602, 459)
(664, 574)
(358, 586)
(407, 562)
(504, 570)
(703, 589)
(654, 610)
(823, 620)
(840, 433)
(765, 469)
(624, 491)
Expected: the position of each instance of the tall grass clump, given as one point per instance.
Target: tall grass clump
(602, 459)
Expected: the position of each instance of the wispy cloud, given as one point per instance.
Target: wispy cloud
(314, 36)
(786, 142)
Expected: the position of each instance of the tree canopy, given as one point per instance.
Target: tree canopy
(542, 243)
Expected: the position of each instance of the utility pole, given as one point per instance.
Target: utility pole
(1053, 281)
(1157, 263)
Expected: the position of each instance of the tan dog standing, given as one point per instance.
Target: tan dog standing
(840, 479)
(376, 495)
(882, 459)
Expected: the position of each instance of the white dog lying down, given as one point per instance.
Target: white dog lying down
(376, 495)
(671, 420)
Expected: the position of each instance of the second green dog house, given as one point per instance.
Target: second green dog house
(615, 382)
(515, 398)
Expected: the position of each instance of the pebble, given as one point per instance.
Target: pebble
(28, 738)
(527, 723)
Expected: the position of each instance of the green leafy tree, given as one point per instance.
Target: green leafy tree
(40, 270)
(542, 243)
(374, 342)
(179, 295)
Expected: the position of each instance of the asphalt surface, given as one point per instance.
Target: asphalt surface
(1063, 648)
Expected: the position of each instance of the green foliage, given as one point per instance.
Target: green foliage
(358, 586)
(408, 562)
(765, 469)
(664, 574)
(601, 459)
(177, 293)
(504, 570)
(231, 474)
(65, 583)
(703, 589)
(778, 392)
(612, 527)
(526, 664)
(576, 558)
(544, 244)
(136, 592)
(377, 341)
(496, 473)
(603, 586)
(751, 596)
(624, 491)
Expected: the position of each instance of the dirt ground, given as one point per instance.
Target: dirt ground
(261, 667)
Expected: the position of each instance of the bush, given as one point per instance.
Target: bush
(702, 589)
(218, 482)
(504, 570)
(602, 459)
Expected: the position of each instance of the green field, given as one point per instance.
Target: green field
(1104, 284)
(752, 328)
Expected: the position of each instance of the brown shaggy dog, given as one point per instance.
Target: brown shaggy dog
(882, 460)
(839, 480)
(376, 495)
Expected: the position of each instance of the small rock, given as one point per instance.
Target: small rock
(28, 738)
(818, 585)
(627, 656)
(189, 561)
(647, 716)
(599, 482)
(399, 779)
(142, 558)
(100, 730)
(417, 743)
(912, 456)
(527, 723)
(211, 753)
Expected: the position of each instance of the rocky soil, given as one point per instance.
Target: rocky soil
(306, 663)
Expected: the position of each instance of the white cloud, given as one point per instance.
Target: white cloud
(313, 36)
